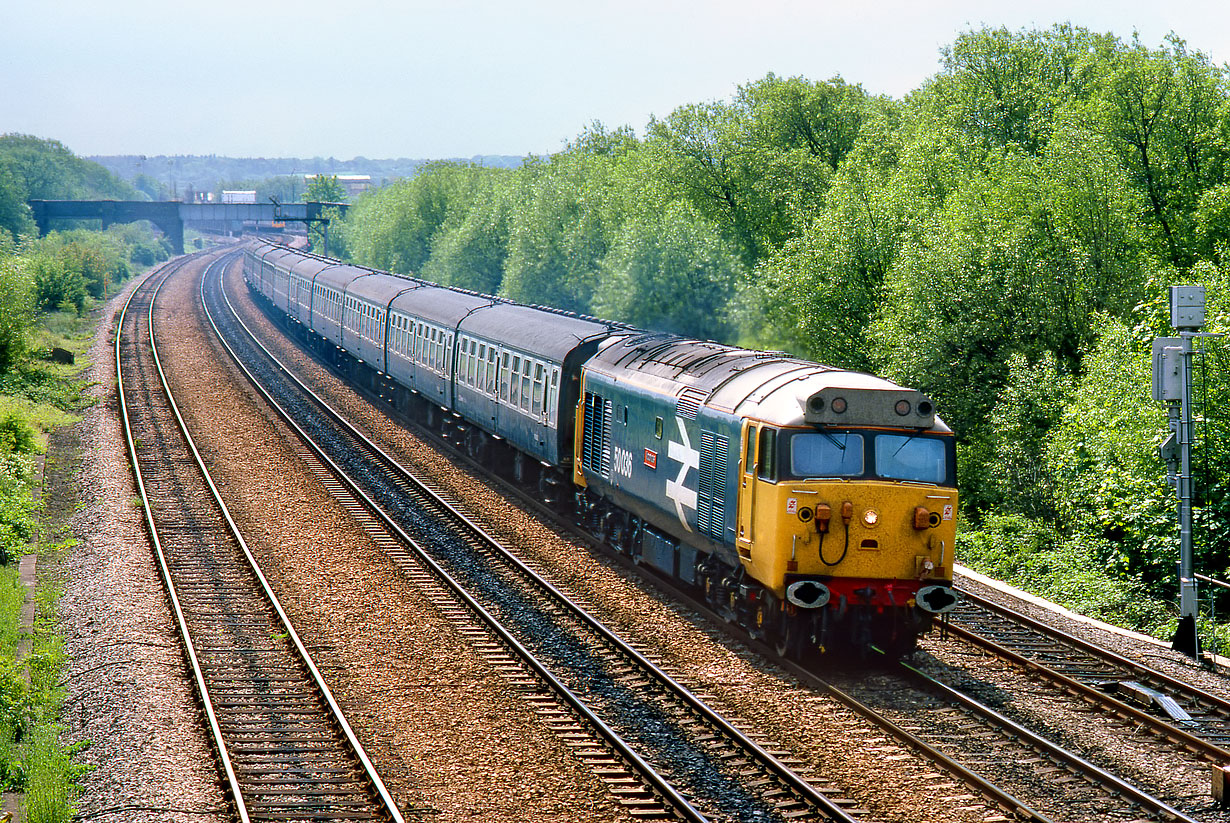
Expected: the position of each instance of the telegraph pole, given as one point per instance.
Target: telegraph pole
(1172, 383)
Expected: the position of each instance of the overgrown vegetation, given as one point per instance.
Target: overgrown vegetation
(47, 286)
(1001, 239)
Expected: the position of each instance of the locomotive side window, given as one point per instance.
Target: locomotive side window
(825, 454)
(749, 448)
(767, 454)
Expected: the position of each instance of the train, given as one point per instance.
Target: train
(813, 506)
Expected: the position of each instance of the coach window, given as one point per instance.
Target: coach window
(514, 398)
(492, 370)
(767, 463)
(525, 384)
(504, 386)
(539, 389)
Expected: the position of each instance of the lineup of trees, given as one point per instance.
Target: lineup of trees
(1002, 238)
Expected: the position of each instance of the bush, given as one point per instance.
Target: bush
(16, 309)
(16, 435)
(1077, 573)
(57, 285)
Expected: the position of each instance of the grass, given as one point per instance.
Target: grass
(36, 397)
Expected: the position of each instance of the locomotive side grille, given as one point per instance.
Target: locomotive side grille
(588, 453)
(596, 439)
(606, 439)
(689, 403)
(711, 494)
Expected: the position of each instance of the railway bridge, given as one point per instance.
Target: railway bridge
(170, 216)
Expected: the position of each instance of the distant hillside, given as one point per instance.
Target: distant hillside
(205, 172)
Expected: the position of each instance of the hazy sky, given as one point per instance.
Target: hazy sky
(421, 79)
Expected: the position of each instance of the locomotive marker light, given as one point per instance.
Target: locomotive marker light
(1172, 384)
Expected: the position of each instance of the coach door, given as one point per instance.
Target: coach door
(747, 487)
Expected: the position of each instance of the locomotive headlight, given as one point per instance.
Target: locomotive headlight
(838, 405)
(870, 518)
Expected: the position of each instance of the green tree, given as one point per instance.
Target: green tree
(395, 228)
(560, 230)
(1110, 483)
(1164, 112)
(1004, 88)
(14, 213)
(759, 166)
(46, 170)
(324, 189)
(469, 249)
(669, 272)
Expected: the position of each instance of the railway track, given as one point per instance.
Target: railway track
(693, 763)
(1055, 780)
(285, 748)
(1188, 717)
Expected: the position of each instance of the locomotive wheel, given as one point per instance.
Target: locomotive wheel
(785, 639)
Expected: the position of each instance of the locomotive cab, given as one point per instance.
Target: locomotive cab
(850, 517)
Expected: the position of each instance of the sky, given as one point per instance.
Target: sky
(460, 78)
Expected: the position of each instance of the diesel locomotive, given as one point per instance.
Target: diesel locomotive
(814, 506)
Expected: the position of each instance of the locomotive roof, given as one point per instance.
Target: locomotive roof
(769, 386)
(534, 330)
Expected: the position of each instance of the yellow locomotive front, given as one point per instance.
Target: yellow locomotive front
(847, 519)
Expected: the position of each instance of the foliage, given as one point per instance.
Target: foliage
(15, 219)
(668, 272)
(324, 189)
(1013, 474)
(47, 170)
(1032, 555)
(68, 268)
(16, 308)
(1110, 484)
